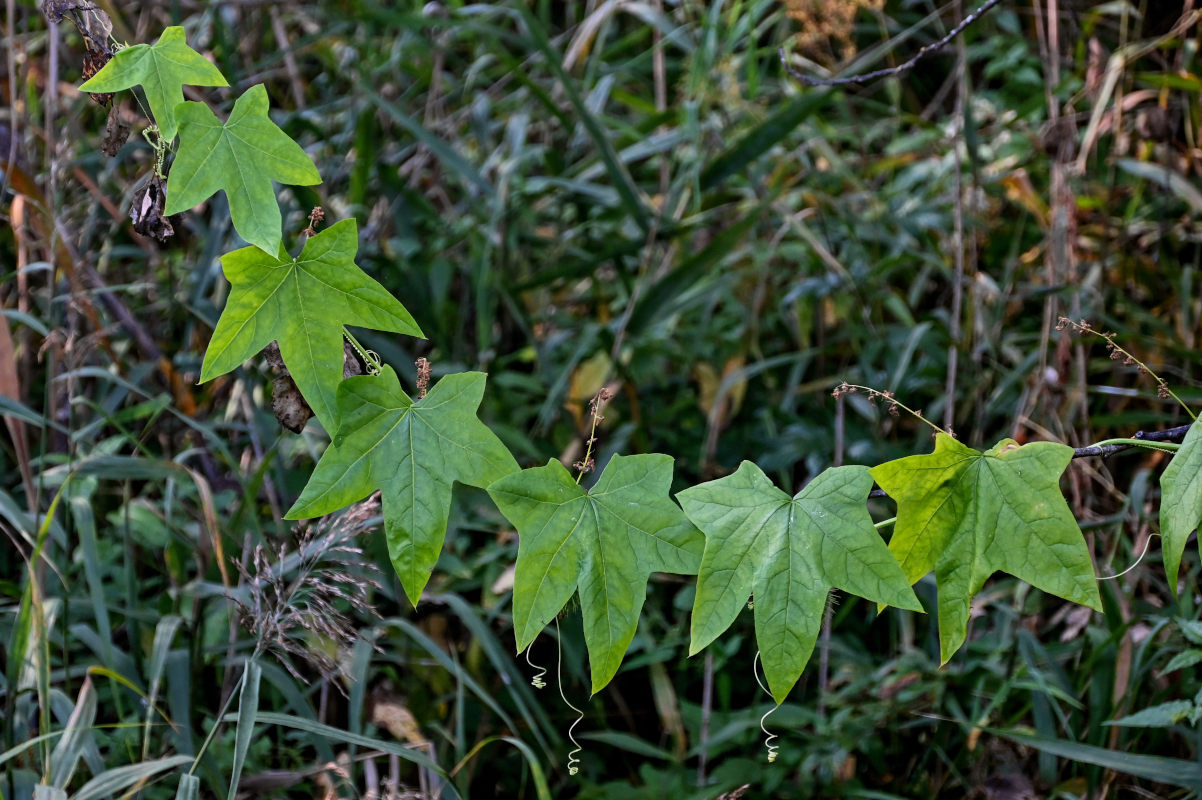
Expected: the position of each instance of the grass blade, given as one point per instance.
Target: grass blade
(115, 780)
(189, 788)
(541, 789)
(437, 146)
(248, 707)
(1173, 771)
(76, 735)
(760, 139)
(623, 183)
(328, 732)
(519, 687)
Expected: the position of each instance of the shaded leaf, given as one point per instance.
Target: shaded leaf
(117, 779)
(604, 543)
(1191, 629)
(761, 139)
(1157, 716)
(1186, 658)
(302, 303)
(967, 514)
(1181, 502)
(189, 787)
(330, 732)
(1174, 771)
(248, 708)
(412, 452)
(162, 70)
(241, 158)
(788, 552)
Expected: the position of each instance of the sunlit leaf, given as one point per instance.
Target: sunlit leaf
(162, 70)
(241, 158)
(302, 303)
(789, 552)
(1181, 501)
(604, 543)
(412, 451)
(967, 514)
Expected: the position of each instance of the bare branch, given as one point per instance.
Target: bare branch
(922, 53)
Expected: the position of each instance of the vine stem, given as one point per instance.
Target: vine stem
(922, 53)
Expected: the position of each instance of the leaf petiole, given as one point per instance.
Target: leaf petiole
(1167, 447)
(371, 359)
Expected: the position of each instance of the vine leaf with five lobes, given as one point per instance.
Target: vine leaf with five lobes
(967, 514)
(412, 451)
(788, 552)
(302, 303)
(1181, 501)
(605, 543)
(162, 69)
(241, 158)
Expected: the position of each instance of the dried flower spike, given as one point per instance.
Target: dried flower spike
(1116, 352)
(587, 464)
(893, 406)
(315, 218)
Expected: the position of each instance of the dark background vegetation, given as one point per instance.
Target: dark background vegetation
(569, 195)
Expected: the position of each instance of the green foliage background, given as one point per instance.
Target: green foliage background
(633, 194)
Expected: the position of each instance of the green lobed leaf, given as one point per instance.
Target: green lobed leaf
(241, 158)
(162, 70)
(1181, 501)
(967, 514)
(412, 452)
(788, 552)
(302, 303)
(604, 543)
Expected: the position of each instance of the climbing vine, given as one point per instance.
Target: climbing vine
(962, 514)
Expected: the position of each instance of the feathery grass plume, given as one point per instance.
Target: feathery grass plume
(300, 604)
(825, 23)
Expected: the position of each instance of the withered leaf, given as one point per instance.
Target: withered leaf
(93, 62)
(146, 208)
(287, 403)
(93, 24)
(116, 132)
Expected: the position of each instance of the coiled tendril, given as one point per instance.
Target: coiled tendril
(772, 748)
(537, 681)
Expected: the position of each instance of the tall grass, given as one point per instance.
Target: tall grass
(568, 196)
